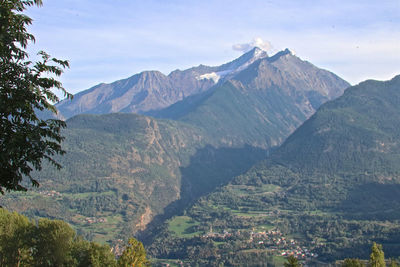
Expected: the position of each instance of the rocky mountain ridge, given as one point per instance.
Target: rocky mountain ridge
(152, 90)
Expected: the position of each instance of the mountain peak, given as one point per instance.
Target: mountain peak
(244, 60)
(282, 53)
(255, 53)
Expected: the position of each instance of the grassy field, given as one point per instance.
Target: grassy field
(242, 190)
(101, 231)
(181, 226)
(279, 260)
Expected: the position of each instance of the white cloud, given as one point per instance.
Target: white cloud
(256, 42)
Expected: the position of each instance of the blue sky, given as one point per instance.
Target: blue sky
(107, 40)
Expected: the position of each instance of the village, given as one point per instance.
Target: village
(273, 240)
(51, 193)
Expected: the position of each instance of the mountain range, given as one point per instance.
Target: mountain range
(152, 90)
(197, 130)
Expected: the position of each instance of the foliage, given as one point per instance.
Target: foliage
(393, 263)
(47, 243)
(53, 242)
(292, 261)
(93, 254)
(134, 255)
(377, 257)
(352, 263)
(25, 86)
(15, 239)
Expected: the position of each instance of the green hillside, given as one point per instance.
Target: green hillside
(330, 190)
(122, 170)
(236, 117)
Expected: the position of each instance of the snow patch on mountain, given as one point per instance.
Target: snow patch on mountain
(215, 76)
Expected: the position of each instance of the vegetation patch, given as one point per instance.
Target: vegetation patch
(183, 226)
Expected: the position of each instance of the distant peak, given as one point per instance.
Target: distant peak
(257, 53)
(282, 53)
(151, 73)
(287, 51)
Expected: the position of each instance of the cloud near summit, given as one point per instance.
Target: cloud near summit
(256, 42)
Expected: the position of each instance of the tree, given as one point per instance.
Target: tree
(352, 263)
(25, 87)
(377, 257)
(47, 243)
(393, 263)
(86, 253)
(292, 261)
(15, 239)
(134, 255)
(53, 242)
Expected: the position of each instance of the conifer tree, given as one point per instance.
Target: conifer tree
(292, 261)
(377, 257)
(352, 263)
(134, 255)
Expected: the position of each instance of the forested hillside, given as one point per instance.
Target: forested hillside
(121, 170)
(329, 191)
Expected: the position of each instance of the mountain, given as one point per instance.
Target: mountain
(331, 189)
(260, 104)
(122, 170)
(151, 90)
(125, 173)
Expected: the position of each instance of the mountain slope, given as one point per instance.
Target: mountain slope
(261, 104)
(358, 132)
(141, 92)
(123, 170)
(332, 188)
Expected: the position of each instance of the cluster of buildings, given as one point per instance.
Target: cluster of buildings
(95, 220)
(223, 235)
(273, 240)
(299, 252)
(51, 193)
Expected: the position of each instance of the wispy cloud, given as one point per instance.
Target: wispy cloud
(256, 42)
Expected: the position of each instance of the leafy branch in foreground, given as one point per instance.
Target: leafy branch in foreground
(25, 87)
